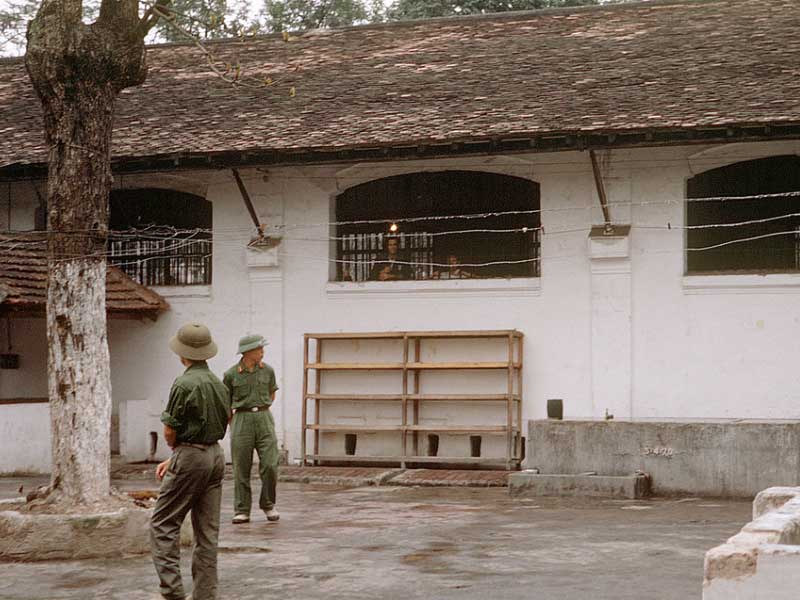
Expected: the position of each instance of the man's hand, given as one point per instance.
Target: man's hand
(161, 469)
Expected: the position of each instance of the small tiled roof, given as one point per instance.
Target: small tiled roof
(23, 275)
(655, 66)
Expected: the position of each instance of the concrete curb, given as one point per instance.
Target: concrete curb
(539, 484)
(343, 476)
(450, 478)
(364, 476)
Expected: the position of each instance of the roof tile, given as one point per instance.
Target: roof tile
(650, 65)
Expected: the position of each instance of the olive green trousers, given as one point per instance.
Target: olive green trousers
(193, 482)
(253, 431)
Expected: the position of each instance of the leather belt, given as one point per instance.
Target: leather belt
(201, 446)
(253, 409)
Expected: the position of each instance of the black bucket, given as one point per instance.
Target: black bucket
(555, 409)
(433, 444)
(350, 444)
(475, 446)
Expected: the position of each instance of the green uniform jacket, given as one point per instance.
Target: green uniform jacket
(249, 389)
(199, 406)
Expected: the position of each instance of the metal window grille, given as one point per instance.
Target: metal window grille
(358, 252)
(173, 261)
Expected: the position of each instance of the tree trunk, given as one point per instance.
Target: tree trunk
(77, 71)
(78, 362)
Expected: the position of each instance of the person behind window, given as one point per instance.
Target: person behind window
(453, 270)
(389, 265)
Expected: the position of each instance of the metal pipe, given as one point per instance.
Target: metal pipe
(601, 193)
(247, 202)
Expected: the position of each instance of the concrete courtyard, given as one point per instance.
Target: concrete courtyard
(423, 542)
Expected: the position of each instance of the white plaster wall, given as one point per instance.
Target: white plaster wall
(24, 428)
(143, 367)
(25, 435)
(554, 317)
(720, 347)
(706, 347)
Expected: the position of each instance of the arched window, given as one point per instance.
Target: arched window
(442, 225)
(161, 237)
(743, 218)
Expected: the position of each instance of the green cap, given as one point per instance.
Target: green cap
(251, 342)
(193, 341)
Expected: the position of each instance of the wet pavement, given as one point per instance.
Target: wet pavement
(424, 542)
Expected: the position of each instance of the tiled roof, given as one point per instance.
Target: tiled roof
(688, 64)
(23, 275)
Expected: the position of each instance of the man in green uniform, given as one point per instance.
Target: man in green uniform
(196, 417)
(252, 386)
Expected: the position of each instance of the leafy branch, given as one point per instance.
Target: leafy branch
(233, 73)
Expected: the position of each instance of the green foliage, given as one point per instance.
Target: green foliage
(302, 15)
(204, 19)
(428, 9)
(14, 17)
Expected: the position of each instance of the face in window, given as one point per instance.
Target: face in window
(452, 261)
(392, 244)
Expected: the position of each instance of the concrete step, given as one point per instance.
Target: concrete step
(351, 476)
(451, 478)
(528, 483)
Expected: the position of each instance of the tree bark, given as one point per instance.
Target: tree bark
(78, 70)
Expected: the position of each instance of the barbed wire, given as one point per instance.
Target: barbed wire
(156, 230)
(167, 252)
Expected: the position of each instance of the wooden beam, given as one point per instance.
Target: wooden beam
(601, 192)
(247, 202)
(488, 460)
(304, 417)
(9, 401)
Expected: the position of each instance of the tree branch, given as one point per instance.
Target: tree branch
(237, 78)
(151, 16)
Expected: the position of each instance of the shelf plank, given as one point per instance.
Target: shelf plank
(387, 335)
(356, 366)
(407, 428)
(425, 397)
(416, 366)
(462, 397)
(368, 335)
(491, 333)
(365, 428)
(461, 429)
(496, 460)
(453, 366)
(356, 397)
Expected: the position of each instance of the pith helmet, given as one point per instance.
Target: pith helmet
(193, 341)
(251, 342)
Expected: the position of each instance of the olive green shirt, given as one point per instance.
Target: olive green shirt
(249, 389)
(199, 406)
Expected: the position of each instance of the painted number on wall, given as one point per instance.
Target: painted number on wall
(664, 451)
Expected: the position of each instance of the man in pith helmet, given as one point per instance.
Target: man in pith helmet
(195, 419)
(251, 383)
